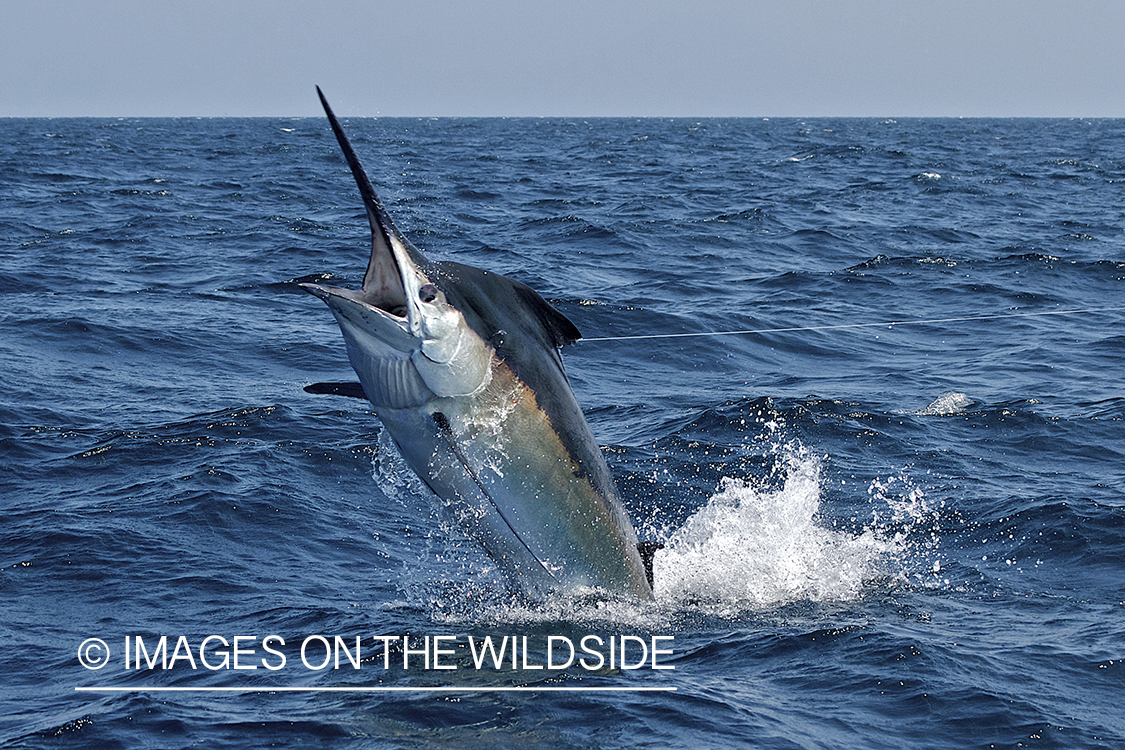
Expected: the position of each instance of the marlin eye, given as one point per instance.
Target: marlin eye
(428, 293)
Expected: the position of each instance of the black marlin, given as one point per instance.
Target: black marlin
(462, 367)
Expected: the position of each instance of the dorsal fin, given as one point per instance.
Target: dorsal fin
(491, 296)
(562, 330)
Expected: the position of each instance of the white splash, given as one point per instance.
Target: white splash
(754, 546)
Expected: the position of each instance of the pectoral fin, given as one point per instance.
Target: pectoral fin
(351, 390)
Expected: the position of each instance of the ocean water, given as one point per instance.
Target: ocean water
(893, 517)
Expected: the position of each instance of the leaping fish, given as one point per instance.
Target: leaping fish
(462, 367)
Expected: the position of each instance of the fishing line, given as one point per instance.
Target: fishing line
(888, 324)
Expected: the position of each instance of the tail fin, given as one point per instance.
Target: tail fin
(647, 550)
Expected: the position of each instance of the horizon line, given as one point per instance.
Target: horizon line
(566, 117)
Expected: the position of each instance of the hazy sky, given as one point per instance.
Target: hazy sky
(584, 58)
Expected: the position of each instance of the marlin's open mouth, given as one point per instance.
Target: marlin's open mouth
(383, 290)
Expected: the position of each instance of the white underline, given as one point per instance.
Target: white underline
(374, 689)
